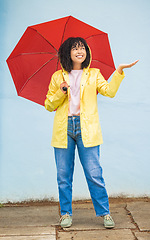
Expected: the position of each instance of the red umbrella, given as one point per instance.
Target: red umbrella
(35, 57)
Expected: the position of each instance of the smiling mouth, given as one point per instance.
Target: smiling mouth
(79, 56)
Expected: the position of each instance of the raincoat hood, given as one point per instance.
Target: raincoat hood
(84, 69)
(84, 75)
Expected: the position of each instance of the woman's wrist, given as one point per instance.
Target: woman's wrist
(120, 69)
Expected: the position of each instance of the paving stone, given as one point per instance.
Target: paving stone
(141, 214)
(90, 205)
(117, 205)
(124, 234)
(28, 231)
(29, 216)
(84, 219)
(48, 237)
(143, 235)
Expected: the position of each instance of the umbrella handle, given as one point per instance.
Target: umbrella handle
(65, 89)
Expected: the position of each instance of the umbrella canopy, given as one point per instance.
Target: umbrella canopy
(35, 57)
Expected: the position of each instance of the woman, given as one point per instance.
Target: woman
(73, 92)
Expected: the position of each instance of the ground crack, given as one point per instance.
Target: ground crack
(132, 221)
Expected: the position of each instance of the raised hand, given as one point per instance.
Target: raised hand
(122, 66)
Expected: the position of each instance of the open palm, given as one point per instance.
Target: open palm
(122, 66)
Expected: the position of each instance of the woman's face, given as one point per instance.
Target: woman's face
(78, 54)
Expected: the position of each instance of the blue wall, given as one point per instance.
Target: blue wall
(27, 166)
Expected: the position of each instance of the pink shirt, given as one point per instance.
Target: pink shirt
(74, 102)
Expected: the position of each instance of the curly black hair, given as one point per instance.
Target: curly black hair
(65, 56)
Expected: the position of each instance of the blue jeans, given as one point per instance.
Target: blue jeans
(89, 158)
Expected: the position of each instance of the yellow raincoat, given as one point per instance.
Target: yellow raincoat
(91, 81)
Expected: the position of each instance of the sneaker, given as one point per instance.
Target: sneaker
(108, 222)
(66, 221)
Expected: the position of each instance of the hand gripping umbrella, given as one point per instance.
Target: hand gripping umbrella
(35, 57)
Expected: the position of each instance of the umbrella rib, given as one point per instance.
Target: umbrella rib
(63, 38)
(34, 74)
(37, 53)
(44, 38)
(96, 35)
(31, 54)
(64, 30)
(102, 62)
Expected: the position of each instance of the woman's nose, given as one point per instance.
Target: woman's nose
(79, 50)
